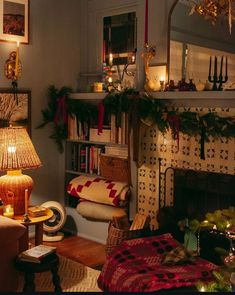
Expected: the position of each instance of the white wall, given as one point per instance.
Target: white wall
(62, 32)
(51, 57)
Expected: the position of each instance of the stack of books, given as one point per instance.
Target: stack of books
(37, 211)
(37, 254)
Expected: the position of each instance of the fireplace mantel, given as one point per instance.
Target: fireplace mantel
(198, 98)
(222, 99)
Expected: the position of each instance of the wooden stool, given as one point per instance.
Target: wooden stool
(50, 263)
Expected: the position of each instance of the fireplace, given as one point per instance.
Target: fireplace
(197, 192)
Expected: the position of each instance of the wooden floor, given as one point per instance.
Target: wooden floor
(81, 250)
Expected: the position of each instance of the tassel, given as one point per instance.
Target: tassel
(202, 152)
(100, 117)
(61, 110)
(175, 126)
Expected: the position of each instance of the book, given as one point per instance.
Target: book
(113, 129)
(36, 211)
(37, 253)
(102, 137)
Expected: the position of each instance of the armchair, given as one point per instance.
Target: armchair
(12, 241)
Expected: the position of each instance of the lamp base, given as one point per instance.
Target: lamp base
(15, 182)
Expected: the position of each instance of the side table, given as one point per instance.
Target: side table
(50, 263)
(38, 222)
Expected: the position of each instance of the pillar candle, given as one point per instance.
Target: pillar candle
(17, 60)
(146, 22)
(26, 201)
(110, 59)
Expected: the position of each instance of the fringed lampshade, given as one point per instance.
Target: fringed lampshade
(16, 153)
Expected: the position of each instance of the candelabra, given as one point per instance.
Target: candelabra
(218, 79)
(117, 84)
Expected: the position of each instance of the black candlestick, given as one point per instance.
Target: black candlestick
(219, 79)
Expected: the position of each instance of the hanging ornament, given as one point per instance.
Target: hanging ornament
(213, 9)
(13, 70)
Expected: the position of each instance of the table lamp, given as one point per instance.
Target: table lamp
(16, 154)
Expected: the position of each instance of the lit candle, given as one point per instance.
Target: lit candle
(17, 60)
(110, 59)
(8, 211)
(133, 59)
(26, 201)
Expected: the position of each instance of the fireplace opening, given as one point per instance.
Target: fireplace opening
(197, 193)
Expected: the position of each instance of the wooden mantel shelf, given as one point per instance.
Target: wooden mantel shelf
(181, 98)
(194, 95)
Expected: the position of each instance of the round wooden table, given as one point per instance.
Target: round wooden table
(38, 222)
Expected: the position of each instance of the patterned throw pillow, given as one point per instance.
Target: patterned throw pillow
(179, 255)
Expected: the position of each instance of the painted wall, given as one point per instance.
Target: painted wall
(51, 57)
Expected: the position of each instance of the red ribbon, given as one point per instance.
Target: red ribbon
(61, 110)
(175, 123)
(146, 22)
(100, 117)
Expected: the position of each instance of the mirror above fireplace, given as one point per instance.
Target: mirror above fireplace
(192, 40)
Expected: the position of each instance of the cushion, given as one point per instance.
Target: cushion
(10, 230)
(178, 255)
(98, 190)
(99, 211)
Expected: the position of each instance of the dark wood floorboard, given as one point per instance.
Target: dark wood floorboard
(87, 252)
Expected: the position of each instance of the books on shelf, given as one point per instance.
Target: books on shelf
(36, 211)
(37, 254)
(78, 130)
(104, 136)
(119, 151)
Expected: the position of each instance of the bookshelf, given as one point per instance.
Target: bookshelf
(84, 146)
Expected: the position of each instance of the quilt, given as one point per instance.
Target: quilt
(136, 266)
(98, 190)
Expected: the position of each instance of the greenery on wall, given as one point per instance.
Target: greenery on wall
(142, 105)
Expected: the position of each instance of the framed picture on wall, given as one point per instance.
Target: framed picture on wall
(14, 20)
(15, 108)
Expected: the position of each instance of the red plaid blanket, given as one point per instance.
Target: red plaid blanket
(136, 266)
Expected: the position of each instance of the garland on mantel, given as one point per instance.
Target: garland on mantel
(142, 105)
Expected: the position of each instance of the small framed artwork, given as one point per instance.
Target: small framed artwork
(14, 21)
(15, 108)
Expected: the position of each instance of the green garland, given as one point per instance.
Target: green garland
(145, 107)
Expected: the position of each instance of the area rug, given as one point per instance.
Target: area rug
(74, 277)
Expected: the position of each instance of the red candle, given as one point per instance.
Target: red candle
(146, 22)
(104, 52)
